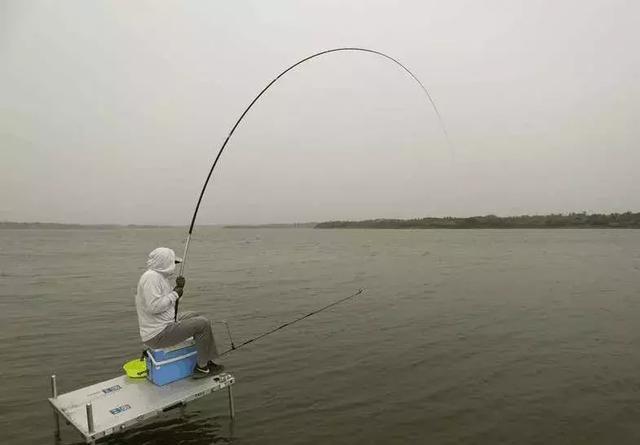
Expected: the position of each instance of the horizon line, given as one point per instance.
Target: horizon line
(160, 225)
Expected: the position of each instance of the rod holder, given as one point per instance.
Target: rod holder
(232, 408)
(226, 325)
(230, 338)
(90, 417)
(54, 387)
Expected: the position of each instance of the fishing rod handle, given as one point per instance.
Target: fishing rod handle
(184, 254)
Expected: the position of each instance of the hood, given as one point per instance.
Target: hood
(162, 260)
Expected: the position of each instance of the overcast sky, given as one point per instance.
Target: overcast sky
(111, 112)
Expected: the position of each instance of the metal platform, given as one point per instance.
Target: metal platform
(109, 407)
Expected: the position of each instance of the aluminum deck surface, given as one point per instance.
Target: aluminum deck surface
(122, 402)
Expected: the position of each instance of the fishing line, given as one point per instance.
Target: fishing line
(284, 325)
(233, 129)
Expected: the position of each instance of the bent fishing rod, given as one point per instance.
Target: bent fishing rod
(244, 113)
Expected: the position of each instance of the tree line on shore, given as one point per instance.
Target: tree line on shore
(571, 220)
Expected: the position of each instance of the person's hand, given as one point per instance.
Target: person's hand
(179, 291)
(180, 281)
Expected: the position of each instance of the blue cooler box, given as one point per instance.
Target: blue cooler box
(170, 364)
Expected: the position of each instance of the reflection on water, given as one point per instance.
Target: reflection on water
(185, 428)
(192, 428)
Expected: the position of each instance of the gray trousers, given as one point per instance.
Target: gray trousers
(189, 324)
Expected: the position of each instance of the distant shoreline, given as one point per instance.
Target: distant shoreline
(627, 220)
(41, 225)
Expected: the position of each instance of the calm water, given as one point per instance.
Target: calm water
(462, 337)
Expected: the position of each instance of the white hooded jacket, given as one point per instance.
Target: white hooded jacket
(155, 299)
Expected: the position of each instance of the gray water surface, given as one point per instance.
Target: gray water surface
(462, 337)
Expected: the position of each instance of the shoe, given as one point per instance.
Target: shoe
(214, 367)
(199, 373)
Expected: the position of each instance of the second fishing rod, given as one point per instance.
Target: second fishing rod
(283, 325)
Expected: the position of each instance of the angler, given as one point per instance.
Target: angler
(156, 301)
